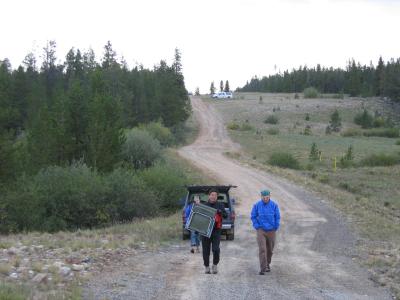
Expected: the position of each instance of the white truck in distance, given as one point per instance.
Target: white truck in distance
(223, 95)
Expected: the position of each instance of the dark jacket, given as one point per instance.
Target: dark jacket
(220, 207)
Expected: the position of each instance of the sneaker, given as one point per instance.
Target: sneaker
(214, 269)
(261, 273)
(207, 270)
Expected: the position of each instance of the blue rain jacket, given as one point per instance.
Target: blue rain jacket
(266, 216)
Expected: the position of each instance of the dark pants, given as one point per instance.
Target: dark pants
(208, 243)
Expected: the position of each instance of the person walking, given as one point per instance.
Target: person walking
(214, 240)
(265, 217)
(194, 235)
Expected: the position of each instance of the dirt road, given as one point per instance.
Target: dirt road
(312, 259)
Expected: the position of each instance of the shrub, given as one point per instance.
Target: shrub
(307, 117)
(398, 142)
(246, 127)
(271, 119)
(379, 122)
(127, 197)
(335, 123)
(273, 131)
(364, 119)
(233, 126)
(347, 159)
(328, 130)
(307, 130)
(167, 184)
(314, 152)
(324, 179)
(284, 160)
(310, 93)
(140, 150)
(352, 132)
(159, 132)
(383, 132)
(380, 160)
(56, 199)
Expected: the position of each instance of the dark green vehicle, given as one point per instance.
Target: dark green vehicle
(228, 223)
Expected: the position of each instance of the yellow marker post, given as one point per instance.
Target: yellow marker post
(320, 155)
(334, 164)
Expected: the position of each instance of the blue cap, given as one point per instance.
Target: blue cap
(265, 193)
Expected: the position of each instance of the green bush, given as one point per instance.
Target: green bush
(364, 119)
(75, 197)
(379, 122)
(307, 117)
(398, 142)
(271, 119)
(381, 159)
(233, 126)
(310, 93)
(273, 131)
(352, 132)
(140, 150)
(383, 132)
(159, 132)
(307, 130)
(57, 199)
(127, 196)
(284, 160)
(167, 184)
(246, 127)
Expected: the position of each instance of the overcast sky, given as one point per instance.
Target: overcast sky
(219, 40)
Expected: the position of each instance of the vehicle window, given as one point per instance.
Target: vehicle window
(204, 198)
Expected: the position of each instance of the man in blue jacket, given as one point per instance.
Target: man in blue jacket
(266, 217)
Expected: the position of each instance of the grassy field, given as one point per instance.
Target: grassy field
(368, 196)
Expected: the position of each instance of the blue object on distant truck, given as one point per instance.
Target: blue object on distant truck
(228, 223)
(223, 95)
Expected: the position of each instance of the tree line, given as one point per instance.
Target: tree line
(77, 109)
(356, 80)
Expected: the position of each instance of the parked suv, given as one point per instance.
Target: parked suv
(228, 223)
(223, 95)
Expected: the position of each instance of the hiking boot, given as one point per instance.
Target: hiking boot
(192, 250)
(268, 269)
(261, 273)
(214, 269)
(207, 271)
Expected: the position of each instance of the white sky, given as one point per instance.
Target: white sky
(219, 40)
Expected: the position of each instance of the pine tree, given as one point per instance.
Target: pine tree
(335, 123)
(227, 89)
(109, 57)
(221, 86)
(212, 88)
(314, 152)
